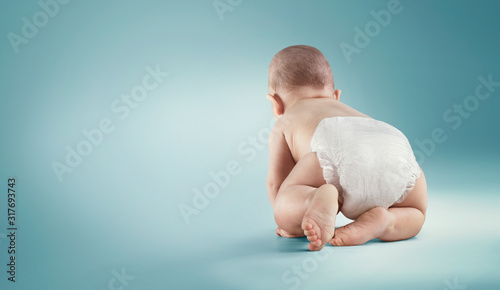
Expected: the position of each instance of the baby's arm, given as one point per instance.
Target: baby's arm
(280, 162)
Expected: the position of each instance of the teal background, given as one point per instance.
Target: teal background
(119, 207)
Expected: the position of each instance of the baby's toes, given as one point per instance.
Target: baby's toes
(345, 237)
(338, 241)
(312, 238)
(307, 226)
(310, 226)
(310, 232)
(315, 245)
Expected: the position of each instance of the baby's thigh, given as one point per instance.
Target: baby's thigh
(417, 198)
(306, 172)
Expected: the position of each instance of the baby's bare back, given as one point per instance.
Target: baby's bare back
(300, 122)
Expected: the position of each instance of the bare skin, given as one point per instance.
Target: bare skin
(303, 204)
(400, 222)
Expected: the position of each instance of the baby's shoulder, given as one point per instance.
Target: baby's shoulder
(280, 124)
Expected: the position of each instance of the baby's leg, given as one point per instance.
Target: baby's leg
(401, 221)
(305, 204)
(407, 218)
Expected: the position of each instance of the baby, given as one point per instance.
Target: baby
(326, 157)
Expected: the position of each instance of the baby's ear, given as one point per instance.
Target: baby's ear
(276, 104)
(336, 94)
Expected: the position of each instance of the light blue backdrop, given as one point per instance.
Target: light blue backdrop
(119, 206)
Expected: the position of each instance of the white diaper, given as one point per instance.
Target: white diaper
(369, 161)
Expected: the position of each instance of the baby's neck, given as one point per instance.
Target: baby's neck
(304, 93)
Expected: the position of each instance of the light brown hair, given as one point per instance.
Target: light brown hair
(298, 66)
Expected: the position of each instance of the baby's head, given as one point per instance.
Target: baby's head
(299, 72)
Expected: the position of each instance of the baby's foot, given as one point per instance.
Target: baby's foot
(282, 233)
(367, 226)
(319, 220)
